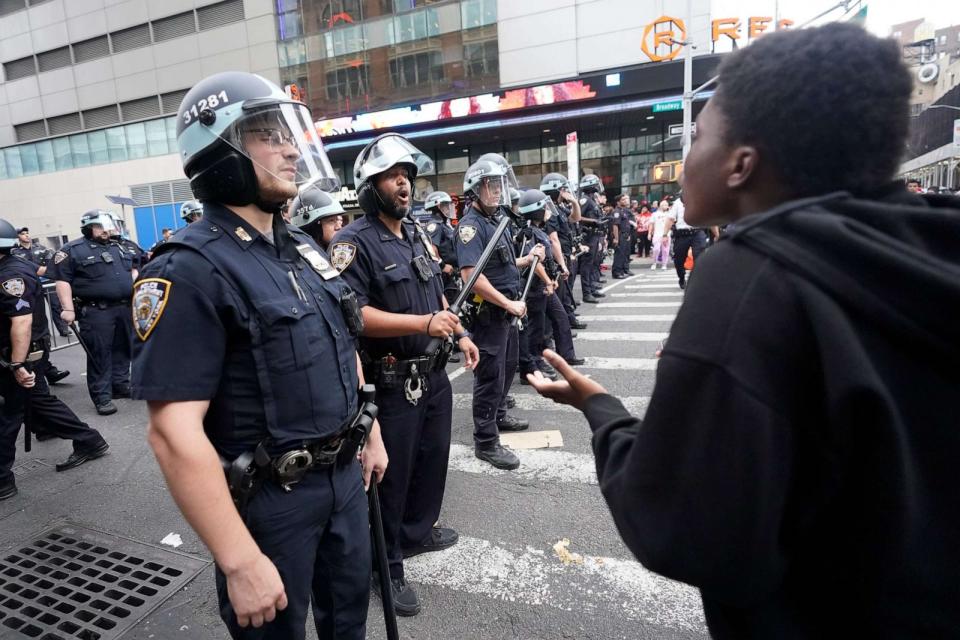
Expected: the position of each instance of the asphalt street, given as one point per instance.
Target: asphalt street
(512, 575)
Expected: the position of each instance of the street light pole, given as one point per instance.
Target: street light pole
(688, 81)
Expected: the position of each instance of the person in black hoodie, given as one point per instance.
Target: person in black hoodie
(798, 458)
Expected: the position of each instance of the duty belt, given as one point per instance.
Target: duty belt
(685, 233)
(389, 372)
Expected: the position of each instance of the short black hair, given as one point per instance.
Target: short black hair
(829, 106)
(22, 229)
(913, 181)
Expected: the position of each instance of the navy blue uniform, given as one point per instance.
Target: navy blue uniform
(379, 267)
(492, 331)
(622, 219)
(101, 277)
(40, 256)
(223, 315)
(20, 295)
(561, 225)
(138, 256)
(443, 235)
(589, 266)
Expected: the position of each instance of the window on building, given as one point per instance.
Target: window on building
(289, 20)
(341, 42)
(417, 25)
(416, 69)
(481, 59)
(80, 150)
(478, 13)
(350, 82)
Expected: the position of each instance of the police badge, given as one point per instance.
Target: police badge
(342, 254)
(466, 233)
(149, 301)
(431, 227)
(59, 257)
(14, 286)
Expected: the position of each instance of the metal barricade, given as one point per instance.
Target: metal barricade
(54, 324)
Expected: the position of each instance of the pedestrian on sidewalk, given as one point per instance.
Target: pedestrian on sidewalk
(659, 238)
(796, 462)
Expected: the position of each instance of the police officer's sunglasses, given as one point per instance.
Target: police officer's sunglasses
(275, 138)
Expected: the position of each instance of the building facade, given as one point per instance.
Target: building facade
(89, 89)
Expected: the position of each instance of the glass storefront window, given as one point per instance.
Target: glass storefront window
(641, 143)
(117, 144)
(45, 156)
(12, 160)
(80, 150)
(61, 154)
(523, 151)
(172, 134)
(477, 13)
(453, 161)
(136, 140)
(638, 169)
(156, 137)
(97, 141)
(554, 152)
(28, 160)
(416, 69)
(481, 58)
(417, 25)
(528, 175)
(342, 42)
(608, 169)
(602, 149)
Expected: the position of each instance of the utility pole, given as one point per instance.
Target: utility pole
(688, 80)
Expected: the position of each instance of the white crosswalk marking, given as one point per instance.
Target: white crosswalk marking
(620, 364)
(587, 335)
(547, 465)
(651, 286)
(530, 402)
(670, 317)
(646, 294)
(637, 305)
(536, 576)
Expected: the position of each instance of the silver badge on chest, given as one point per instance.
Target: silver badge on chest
(317, 262)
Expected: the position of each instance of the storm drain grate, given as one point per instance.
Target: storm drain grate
(77, 583)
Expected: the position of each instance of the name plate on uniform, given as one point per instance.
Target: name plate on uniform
(317, 262)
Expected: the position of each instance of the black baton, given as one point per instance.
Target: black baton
(383, 566)
(526, 287)
(27, 422)
(76, 332)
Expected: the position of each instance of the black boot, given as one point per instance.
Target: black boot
(497, 455)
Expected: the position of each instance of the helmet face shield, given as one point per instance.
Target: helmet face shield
(493, 191)
(386, 152)
(282, 141)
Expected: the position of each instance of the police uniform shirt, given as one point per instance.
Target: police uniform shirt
(272, 357)
(137, 255)
(623, 219)
(378, 266)
(590, 211)
(34, 253)
(19, 291)
(675, 213)
(473, 234)
(442, 235)
(561, 225)
(537, 286)
(96, 272)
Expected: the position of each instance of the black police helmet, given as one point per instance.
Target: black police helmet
(552, 183)
(313, 205)
(534, 204)
(8, 236)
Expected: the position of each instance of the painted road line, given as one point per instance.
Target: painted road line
(456, 374)
(603, 336)
(638, 305)
(652, 286)
(618, 283)
(636, 405)
(630, 318)
(646, 294)
(540, 464)
(620, 364)
(536, 576)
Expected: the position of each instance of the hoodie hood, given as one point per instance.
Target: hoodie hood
(894, 261)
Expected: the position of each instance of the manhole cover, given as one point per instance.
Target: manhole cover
(74, 582)
(30, 467)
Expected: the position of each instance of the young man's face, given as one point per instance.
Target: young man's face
(913, 187)
(330, 226)
(705, 171)
(623, 201)
(490, 192)
(24, 237)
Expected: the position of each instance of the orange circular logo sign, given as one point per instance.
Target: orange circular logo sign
(664, 31)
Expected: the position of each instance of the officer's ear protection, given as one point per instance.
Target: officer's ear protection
(231, 179)
(368, 198)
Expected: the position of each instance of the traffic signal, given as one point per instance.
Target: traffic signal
(667, 171)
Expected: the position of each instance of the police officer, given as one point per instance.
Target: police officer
(93, 277)
(243, 349)
(24, 352)
(438, 227)
(385, 260)
(685, 239)
(316, 213)
(487, 186)
(622, 239)
(191, 211)
(38, 255)
(561, 236)
(591, 217)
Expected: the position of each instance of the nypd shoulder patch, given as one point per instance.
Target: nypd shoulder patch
(150, 298)
(466, 233)
(342, 254)
(14, 286)
(59, 257)
(431, 227)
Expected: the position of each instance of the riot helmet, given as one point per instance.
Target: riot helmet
(243, 141)
(381, 154)
(498, 159)
(487, 183)
(440, 201)
(8, 236)
(590, 183)
(536, 206)
(312, 205)
(191, 211)
(101, 218)
(553, 183)
(514, 196)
